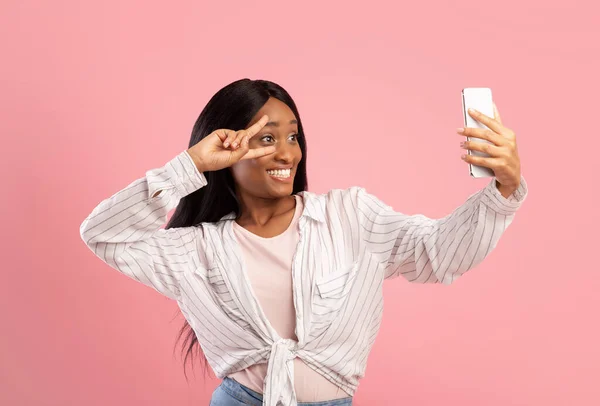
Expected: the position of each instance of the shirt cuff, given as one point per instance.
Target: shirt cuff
(184, 174)
(505, 205)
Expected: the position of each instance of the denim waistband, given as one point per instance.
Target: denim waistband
(247, 395)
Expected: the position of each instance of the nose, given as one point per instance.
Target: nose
(284, 153)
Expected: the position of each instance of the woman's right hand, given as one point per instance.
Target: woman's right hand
(222, 148)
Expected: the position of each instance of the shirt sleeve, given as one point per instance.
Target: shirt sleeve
(124, 230)
(425, 250)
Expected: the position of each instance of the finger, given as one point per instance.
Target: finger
(491, 123)
(244, 146)
(222, 134)
(230, 137)
(238, 139)
(497, 114)
(256, 127)
(491, 150)
(484, 134)
(259, 152)
(491, 163)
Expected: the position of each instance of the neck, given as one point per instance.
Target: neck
(258, 210)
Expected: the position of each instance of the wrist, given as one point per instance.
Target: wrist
(505, 190)
(197, 161)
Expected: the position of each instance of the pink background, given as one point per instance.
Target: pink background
(96, 93)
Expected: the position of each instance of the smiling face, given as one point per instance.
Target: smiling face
(271, 176)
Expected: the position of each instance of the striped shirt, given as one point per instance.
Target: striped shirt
(350, 242)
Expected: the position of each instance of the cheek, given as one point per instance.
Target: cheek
(246, 170)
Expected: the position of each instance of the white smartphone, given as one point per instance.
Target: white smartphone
(480, 99)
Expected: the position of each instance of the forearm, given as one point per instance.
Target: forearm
(141, 208)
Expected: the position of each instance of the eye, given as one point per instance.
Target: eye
(264, 138)
(295, 137)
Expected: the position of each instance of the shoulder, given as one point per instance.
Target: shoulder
(333, 201)
(331, 195)
(356, 199)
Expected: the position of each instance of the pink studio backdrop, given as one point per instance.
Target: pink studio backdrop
(96, 93)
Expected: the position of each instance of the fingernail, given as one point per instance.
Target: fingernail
(462, 144)
(463, 157)
(472, 111)
(460, 130)
(226, 144)
(235, 145)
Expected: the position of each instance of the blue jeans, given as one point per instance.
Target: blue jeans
(232, 393)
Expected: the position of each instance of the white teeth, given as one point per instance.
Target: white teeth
(280, 173)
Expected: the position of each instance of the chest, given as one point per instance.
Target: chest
(324, 267)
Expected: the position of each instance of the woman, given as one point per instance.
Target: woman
(281, 287)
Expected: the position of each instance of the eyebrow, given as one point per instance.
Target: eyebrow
(276, 123)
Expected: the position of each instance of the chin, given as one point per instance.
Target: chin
(282, 191)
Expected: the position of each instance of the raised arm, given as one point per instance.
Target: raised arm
(425, 250)
(124, 230)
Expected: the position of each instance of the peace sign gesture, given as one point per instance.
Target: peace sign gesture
(503, 154)
(222, 148)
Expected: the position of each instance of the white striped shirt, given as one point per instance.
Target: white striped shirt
(350, 242)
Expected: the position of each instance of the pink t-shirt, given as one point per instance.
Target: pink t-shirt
(268, 262)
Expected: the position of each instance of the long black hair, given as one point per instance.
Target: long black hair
(232, 107)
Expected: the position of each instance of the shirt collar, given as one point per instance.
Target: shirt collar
(314, 207)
